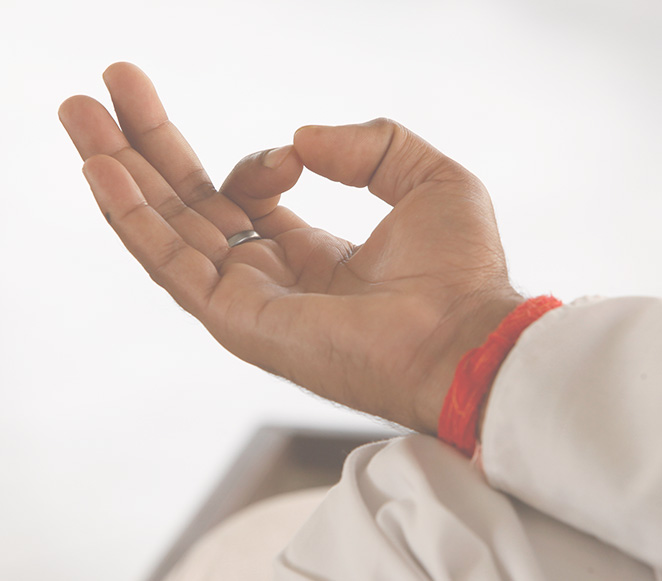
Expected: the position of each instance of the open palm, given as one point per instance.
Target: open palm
(378, 327)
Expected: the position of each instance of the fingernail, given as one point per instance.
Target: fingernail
(275, 157)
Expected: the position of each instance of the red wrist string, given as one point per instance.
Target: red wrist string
(476, 372)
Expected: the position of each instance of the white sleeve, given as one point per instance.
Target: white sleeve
(574, 421)
(414, 509)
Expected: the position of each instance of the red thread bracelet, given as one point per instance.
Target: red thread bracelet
(476, 371)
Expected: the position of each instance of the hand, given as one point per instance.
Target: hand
(378, 327)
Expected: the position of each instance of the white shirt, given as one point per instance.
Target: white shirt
(572, 452)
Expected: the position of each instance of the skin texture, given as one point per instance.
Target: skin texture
(378, 327)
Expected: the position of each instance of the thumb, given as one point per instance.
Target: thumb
(380, 154)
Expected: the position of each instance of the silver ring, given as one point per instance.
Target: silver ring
(241, 237)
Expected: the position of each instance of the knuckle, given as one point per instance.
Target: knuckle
(232, 184)
(385, 124)
(246, 163)
(388, 129)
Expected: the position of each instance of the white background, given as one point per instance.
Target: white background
(117, 411)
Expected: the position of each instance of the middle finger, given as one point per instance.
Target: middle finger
(147, 127)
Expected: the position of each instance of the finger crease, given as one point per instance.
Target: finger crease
(201, 191)
(219, 255)
(171, 207)
(121, 150)
(386, 150)
(156, 127)
(138, 207)
(170, 254)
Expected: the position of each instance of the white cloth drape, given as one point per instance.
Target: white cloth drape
(572, 449)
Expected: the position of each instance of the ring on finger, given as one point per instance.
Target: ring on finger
(243, 236)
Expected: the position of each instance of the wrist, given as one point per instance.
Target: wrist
(467, 327)
(466, 402)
